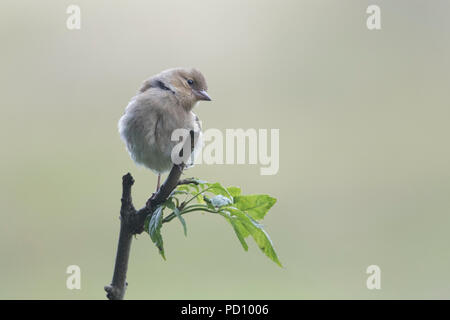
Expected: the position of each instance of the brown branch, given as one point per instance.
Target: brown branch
(116, 290)
(131, 223)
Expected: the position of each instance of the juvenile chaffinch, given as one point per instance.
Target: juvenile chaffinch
(163, 104)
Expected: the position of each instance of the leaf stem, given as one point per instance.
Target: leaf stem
(196, 195)
(172, 216)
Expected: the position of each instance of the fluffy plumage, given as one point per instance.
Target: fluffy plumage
(163, 104)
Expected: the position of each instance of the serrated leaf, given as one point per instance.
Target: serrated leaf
(238, 228)
(171, 205)
(234, 191)
(249, 227)
(196, 187)
(200, 199)
(191, 188)
(154, 229)
(241, 211)
(264, 242)
(255, 205)
(217, 188)
(180, 217)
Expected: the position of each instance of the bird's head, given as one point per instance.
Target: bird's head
(187, 84)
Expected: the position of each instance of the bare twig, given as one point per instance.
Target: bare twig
(188, 181)
(131, 223)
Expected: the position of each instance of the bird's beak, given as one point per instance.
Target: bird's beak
(202, 95)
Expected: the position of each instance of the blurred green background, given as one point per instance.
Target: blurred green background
(364, 159)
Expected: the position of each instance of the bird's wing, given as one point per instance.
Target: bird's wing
(155, 82)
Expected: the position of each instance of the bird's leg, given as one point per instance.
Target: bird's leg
(159, 182)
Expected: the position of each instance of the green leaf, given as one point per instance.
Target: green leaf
(245, 226)
(171, 205)
(239, 229)
(217, 188)
(200, 199)
(196, 187)
(263, 241)
(241, 211)
(234, 191)
(180, 217)
(255, 205)
(196, 190)
(154, 229)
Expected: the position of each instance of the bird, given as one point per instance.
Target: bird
(163, 104)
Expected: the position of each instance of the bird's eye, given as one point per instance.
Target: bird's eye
(190, 82)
